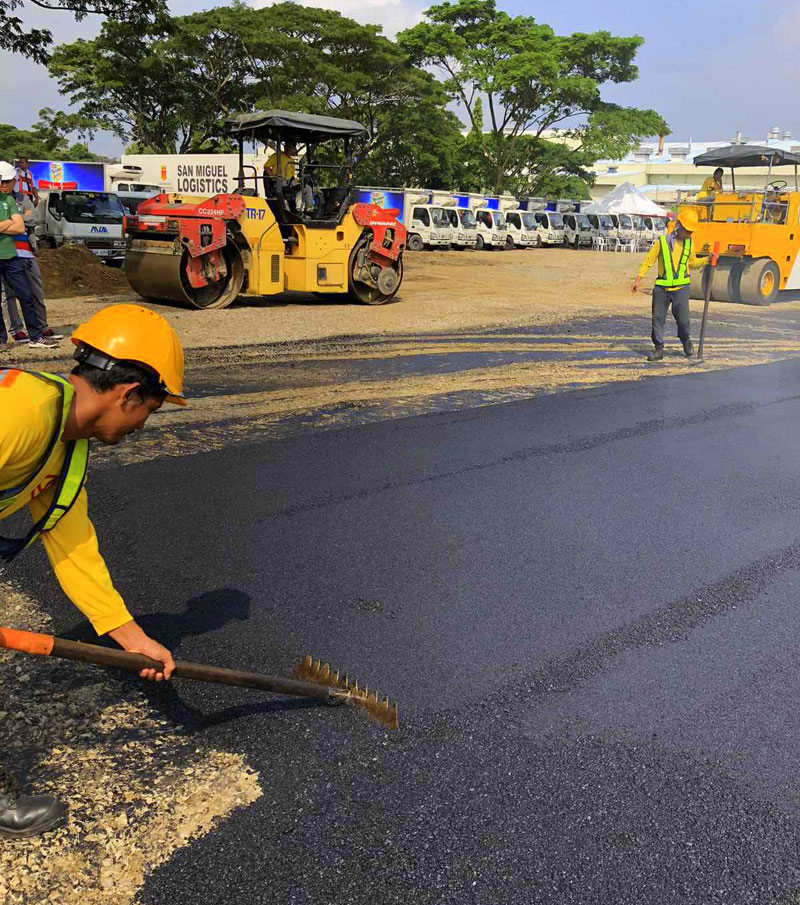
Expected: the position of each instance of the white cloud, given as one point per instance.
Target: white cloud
(393, 15)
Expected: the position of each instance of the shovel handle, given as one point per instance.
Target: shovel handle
(51, 646)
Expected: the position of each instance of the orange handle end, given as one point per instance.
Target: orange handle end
(27, 642)
(715, 254)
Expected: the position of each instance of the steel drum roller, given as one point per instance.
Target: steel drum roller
(157, 273)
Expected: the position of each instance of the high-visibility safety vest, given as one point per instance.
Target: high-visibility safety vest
(671, 279)
(69, 483)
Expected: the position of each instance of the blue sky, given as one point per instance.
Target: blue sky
(708, 69)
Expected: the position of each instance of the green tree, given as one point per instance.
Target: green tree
(35, 42)
(532, 80)
(169, 87)
(43, 141)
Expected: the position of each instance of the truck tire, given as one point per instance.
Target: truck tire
(415, 243)
(480, 244)
(760, 282)
(510, 246)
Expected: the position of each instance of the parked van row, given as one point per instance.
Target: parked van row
(440, 219)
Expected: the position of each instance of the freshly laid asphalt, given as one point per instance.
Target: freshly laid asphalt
(585, 604)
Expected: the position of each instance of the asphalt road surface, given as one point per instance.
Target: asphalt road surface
(585, 604)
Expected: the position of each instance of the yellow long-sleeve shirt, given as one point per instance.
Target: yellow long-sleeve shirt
(29, 411)
(709, 187)
(654, 256)
(288, 166)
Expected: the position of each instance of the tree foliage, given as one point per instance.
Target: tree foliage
(35, 42)
(47, 140)
(531, 80)
(169, 87)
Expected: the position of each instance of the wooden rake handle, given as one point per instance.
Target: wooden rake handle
(51, 646)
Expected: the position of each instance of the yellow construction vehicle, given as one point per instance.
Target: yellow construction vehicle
(277, 232)
(758, 230)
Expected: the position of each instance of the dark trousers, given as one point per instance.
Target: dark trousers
(14, 273)
(679, 299)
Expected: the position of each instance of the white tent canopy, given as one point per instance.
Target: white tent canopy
(625, 199)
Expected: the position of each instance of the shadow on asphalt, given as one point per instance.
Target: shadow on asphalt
(208, 612)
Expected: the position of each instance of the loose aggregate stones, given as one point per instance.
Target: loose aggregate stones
(137, 790)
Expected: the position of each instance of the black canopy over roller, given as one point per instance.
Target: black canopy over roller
(748, 156)
(300, 128)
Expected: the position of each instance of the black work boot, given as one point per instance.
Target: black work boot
(688, 349)
(656, 354)
(26, 815)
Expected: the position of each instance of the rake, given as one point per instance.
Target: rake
(314, 679)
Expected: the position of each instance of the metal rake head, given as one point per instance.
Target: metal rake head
(382, 712)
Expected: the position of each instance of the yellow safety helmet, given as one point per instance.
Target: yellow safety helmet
(688, 220)
(136, 334)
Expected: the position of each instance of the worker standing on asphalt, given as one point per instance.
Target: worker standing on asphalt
(130, 362)
(675, 256)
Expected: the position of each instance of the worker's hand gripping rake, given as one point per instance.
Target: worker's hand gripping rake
(319, 673)
(313, 680)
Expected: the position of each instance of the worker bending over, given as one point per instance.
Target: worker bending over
(130, 362)
(675, 257)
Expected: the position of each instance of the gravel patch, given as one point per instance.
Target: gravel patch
(137, 790)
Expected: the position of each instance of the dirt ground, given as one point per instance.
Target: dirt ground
(76, 271)
(442, 292)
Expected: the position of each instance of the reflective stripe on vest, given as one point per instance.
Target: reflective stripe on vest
(70, 479)
(670, 280)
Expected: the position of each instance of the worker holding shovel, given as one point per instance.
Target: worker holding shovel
(130, 362)
(675, 256)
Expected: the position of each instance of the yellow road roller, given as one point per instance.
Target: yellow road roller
(758, 230)
(290, 229)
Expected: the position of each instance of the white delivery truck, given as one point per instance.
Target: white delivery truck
(427, 224)
(463, 227)
(523, 230)
(654, 227)
(82, 218)
(602, 227)
(577, 230)
(550, 223)
(128, 183)
(491, 220)
(624, 228)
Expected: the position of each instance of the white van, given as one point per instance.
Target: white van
(463, 227)
(90, 219)
(429, 227)
(654, 227)
(522, 230)
(602, 226)
(625, 228)
(577, 230)
(492, 229)
(551, 227)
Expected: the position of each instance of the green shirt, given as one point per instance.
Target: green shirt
(8, 207)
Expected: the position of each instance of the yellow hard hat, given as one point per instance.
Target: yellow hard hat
(688, 220)
(136, 334)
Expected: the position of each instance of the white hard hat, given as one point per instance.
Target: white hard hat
(6, 171)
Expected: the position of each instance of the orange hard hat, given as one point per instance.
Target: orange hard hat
(688, 220)
(136, 334)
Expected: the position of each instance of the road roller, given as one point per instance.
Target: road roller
(758, 230)
(291, 228)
